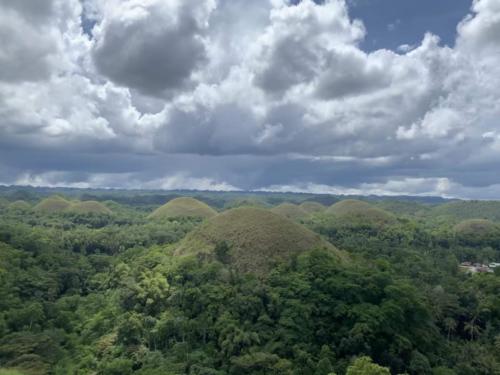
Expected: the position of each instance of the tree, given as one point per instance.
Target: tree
(365, 366)
(222, 252)
(419, 364)
(324, 367)
(451, 325)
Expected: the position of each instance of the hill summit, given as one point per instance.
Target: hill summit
(290, 211)
(19, 206)
(52, 205)
(183, 207)
(354, 211)
(312, 207)
(89, 207)
(476, 229)
(256, 239)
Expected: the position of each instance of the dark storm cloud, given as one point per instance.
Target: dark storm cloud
(226, 129)
(350, 72)
(290, 64)
(151, 48)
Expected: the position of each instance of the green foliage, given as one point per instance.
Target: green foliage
(94, 293)
(221, 252)
(365, 366)
(10, 372)
(477, 232)
(247, 202)
(354, 213)
(119, 366)
(19, 206)
(89, 207)
(465, 210)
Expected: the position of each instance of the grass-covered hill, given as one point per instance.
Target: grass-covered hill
(290, 211)
(4, 202)
(183, 207)
(246, 202)
(256, 239)
(89, 207)
(19, 205)
(312, 207)
(476, 226)
(464, 210)
(52, 204)
(353, 211)
(477, 231)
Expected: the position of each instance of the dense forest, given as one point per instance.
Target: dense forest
(114, 283)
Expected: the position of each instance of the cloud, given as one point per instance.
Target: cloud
(152, 46)
(398, 187)
(171, 93)
(480, 31)
(179, 181)
(301, 41)
(29, 42)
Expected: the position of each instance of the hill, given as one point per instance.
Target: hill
(477, 229)
(89, 207)
(183, 207)
(52, 205)
(290, 211)
(409, 208)
(464, 210)
(312, 207)
(358, 212)
(246, 202)
(4, 202)
(21, 206)
(256, 238)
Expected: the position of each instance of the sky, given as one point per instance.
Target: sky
(384, 97)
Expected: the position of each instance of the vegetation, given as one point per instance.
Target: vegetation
(19, 205)
(183, 207)
(312, 207)
(247, 202)
(253, 292)
(290, 211)
(52, 205)
(405, 208)
(256, 239)
(89, 207)
(351, 210)
(477, 231)
(464, 210)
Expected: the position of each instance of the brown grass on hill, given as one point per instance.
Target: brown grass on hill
(257, 239)
(183, 207)
(89, 207)
(355, 211)
(312, 207)
(19, 206)
(290, 211)
(476, 228)
(52, 205)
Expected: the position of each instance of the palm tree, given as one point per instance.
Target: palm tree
(472, 328)
(451, 325)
